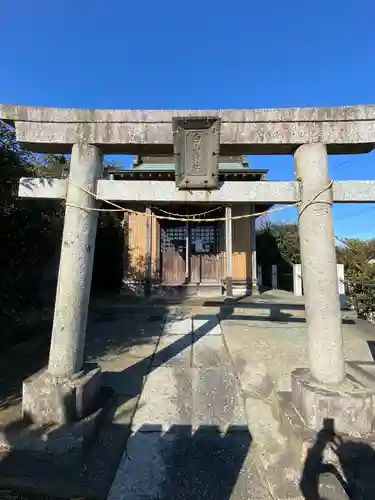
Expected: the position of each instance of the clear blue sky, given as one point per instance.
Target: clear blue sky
(197, 54)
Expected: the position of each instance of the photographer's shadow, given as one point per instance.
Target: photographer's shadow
(353, 476)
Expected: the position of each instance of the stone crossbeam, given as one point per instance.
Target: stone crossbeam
(346, 129)
(280, 192)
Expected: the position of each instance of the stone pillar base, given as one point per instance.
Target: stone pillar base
(308, 453)
(350, 407)
(47, 399)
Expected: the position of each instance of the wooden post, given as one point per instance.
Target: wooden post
(253, 236)
(228, 249)
(148, 270)
(125, 248)
(187, 253)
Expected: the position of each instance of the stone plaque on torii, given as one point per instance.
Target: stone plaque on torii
(310, 134)
(196, 151)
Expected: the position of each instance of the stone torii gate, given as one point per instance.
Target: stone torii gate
(320, 391)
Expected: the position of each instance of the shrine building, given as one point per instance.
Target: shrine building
(165, 256)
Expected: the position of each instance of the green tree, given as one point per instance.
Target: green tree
(278, 244)
(29, 234)
(357, 257)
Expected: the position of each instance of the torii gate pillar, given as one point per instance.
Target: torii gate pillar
(323, 393)
(66, 391)
(319, 267)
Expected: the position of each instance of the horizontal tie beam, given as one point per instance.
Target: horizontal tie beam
(273, 192)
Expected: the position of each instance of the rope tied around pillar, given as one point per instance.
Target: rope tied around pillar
(315, 200)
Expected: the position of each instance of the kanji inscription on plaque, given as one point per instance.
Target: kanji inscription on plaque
(196, 150)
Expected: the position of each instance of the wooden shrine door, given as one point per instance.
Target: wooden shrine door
(173, 252)
(190, 253)
(205, 262)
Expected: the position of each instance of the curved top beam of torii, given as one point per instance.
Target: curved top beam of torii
(345, 129)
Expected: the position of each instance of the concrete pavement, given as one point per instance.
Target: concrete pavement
(190, 437)
(204, 426)
(193, 414)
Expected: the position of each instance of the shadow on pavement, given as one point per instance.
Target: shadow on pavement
(276, 313)
(257, 305)
(183, 464)
(349, 475)
(371, 346)
(90, 475)
(132, 377)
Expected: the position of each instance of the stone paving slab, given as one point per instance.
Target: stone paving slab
(166, 399)
(173, 350)
(177, 324)
(174, 394)
(185, 465)
(210, 351)
(206, 324)
(274, 456)
(217, 399)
